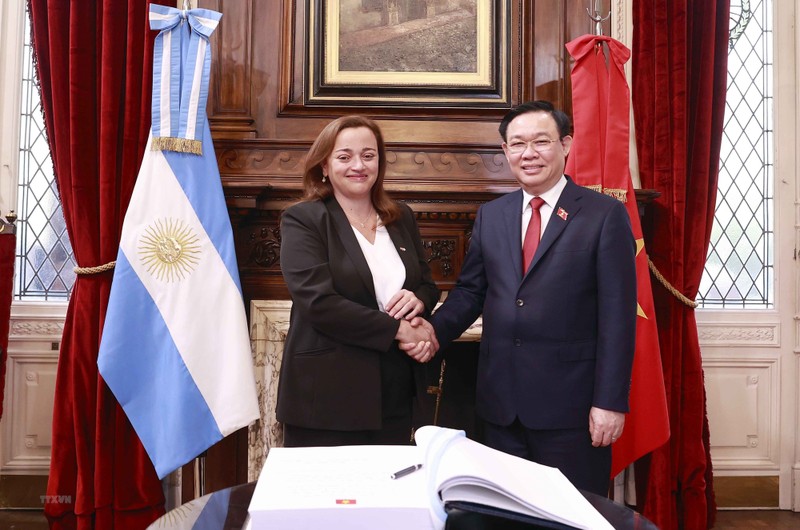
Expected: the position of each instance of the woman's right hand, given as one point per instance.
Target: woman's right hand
(418, 339)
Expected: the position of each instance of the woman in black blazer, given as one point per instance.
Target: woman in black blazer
(353, 261)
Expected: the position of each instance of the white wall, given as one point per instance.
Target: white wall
(25, 430)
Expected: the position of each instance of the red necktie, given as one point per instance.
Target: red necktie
(532, 234)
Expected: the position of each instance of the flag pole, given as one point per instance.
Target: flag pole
(598, 18)
(200, 475)
(437, 391)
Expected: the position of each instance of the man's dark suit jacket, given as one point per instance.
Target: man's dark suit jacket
(331, 372)
(559, 339)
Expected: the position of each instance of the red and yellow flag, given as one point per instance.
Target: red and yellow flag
(599, 159)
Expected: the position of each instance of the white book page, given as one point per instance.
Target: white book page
(341, 487)
(528, 487)
(313, 477)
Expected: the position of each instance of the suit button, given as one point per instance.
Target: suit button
(517, 342)
(520, 302)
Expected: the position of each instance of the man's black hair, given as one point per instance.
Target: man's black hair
(563, 122)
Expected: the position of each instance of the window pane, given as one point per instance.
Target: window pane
(44, 255)
(739, 266)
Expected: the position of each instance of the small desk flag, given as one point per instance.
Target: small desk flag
(175, 349)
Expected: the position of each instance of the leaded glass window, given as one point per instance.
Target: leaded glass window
(44, 255)
(739, 268)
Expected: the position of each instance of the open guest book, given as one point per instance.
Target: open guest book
(351, 487)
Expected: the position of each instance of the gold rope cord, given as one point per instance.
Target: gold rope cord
(95, 270)
(668, 286)
(622, 195)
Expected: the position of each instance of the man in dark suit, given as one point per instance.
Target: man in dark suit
(558, 331)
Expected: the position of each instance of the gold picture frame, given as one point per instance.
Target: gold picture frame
(407, 52)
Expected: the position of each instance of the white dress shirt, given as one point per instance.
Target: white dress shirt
(550, 198)
(388, 271)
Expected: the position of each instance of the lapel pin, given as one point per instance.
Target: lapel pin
(562, 213)
(402, 248)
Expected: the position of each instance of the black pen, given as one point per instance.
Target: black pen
(405, 471)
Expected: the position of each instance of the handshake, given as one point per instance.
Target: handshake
(418, 339)
(415, 335)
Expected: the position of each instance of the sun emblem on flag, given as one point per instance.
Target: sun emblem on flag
(169, 249)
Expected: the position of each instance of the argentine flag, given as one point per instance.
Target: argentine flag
(175, 349)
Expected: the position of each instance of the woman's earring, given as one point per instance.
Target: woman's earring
(324, 178)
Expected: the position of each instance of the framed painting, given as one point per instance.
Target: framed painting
(407, 52)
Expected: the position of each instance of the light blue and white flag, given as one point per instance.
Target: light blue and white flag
(181, 67)
(175, 349)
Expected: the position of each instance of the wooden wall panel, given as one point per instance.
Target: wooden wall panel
(230, 107)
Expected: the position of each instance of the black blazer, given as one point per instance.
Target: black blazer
(560, 338)
(331, 372)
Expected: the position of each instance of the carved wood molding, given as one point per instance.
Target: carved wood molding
(265, 249)
(441, 253)
(738, 334)
(251, 159)
(282, 166)
(619, 14)
(36, 329)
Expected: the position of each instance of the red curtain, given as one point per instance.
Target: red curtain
(7, 250)
(94, 62)
(679, 81)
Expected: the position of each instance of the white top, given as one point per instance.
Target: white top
(388, 271)
(550, 198)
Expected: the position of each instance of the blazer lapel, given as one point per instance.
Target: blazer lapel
(565, 210)
(350, 244)
(512, 218)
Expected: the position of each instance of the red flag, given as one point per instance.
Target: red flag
(599, 159)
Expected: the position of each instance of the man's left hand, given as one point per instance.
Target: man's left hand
(605, 426)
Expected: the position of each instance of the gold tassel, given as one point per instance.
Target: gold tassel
(179, 145)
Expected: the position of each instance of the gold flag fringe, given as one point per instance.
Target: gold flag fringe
(180, 145)
(617, 193)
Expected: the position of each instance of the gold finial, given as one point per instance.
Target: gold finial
(7, 226)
